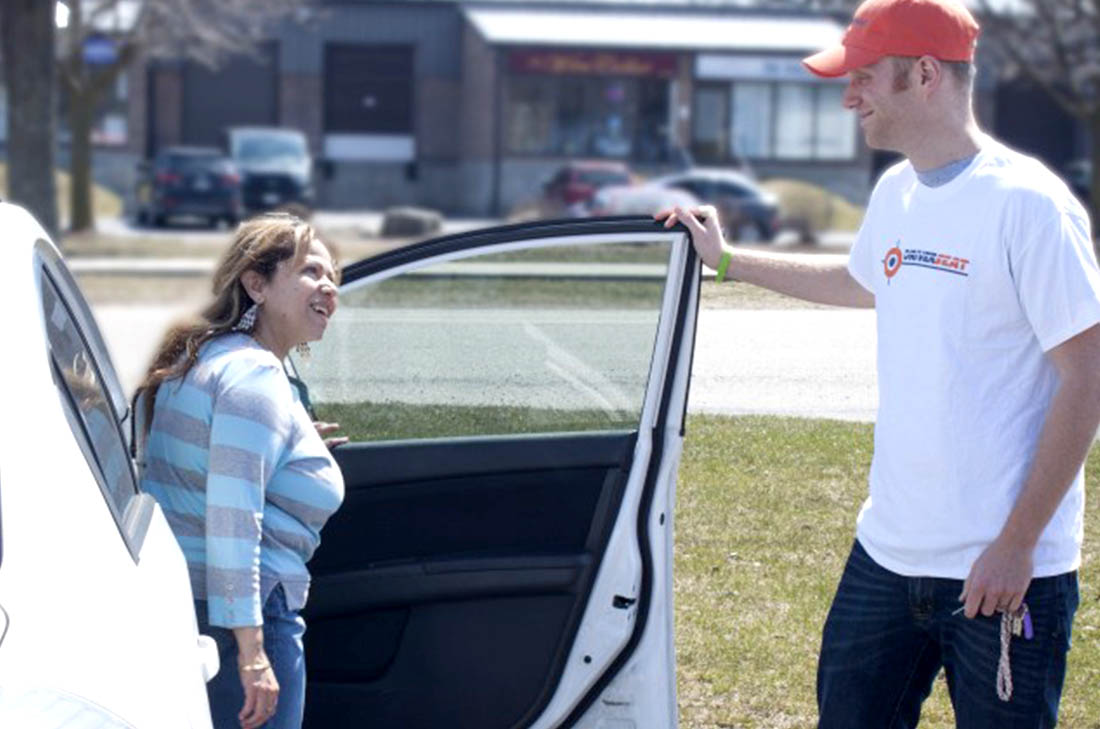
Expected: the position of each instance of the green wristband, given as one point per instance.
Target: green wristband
(723, 264)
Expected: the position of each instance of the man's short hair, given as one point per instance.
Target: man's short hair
(962, 71)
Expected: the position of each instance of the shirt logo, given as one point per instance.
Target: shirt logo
(896, 257)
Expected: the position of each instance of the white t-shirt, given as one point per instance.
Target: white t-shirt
(973, 282)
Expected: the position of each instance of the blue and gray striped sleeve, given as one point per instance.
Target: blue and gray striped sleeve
(249, 430)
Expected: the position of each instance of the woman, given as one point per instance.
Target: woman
(241, 472)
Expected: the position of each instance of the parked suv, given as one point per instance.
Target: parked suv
(275, 165)
(192, 181)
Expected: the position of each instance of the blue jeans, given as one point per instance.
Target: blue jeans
(283, 630)
(887, 636)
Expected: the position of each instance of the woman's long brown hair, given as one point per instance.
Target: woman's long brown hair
(259, 244)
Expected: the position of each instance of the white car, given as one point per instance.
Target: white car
(515, 400)
(644, 199)
(97, 624)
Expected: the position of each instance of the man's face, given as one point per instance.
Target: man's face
(885, 100)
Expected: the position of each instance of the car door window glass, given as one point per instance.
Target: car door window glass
(80, 380)
(557, 338)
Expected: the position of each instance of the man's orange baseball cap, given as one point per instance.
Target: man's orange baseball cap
(943, 29)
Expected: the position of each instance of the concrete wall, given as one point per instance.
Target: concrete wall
(478, 125)
(358, 185)
(435, 31)
(301, 105)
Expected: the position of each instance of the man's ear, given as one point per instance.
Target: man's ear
(929, 72)
(254, 284)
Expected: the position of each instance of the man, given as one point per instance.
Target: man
(979, 264)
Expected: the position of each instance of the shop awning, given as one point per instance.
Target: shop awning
(684, 30)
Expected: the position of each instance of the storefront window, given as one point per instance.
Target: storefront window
(773, 120)
(794, 131)
(624, 118)
(835, 137)
(708, 121)
(751, 116)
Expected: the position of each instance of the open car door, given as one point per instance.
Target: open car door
(515, 401)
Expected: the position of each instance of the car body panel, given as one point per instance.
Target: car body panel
(98, 603)
(644, 199)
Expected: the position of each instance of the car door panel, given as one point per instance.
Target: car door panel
(468, 556)
(464, 581)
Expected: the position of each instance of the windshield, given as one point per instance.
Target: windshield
(266, 146)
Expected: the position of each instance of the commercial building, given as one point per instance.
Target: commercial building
(469, 107)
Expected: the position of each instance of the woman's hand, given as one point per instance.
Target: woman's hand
(261, 688)
(324, 429)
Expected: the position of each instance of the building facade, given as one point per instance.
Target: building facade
(469, 107)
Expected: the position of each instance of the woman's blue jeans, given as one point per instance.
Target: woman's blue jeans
(887, 636)
(283, 630)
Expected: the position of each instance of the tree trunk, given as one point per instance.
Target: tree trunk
(27, 44)
(81, 105)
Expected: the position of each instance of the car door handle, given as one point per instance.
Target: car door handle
(208, 657)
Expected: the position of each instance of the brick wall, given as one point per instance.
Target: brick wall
(301, 106)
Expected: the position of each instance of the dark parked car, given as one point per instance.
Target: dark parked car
(747, 210)
(275, 165)
(569, 191)
(192, 181)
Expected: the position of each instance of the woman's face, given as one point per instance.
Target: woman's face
(297, 302)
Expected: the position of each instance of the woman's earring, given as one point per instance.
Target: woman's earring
(247, 322)
(302, 348)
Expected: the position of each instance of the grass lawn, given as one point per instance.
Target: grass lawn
(765, 517)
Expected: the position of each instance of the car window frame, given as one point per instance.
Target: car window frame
(661, 413)
(132, 522)
(370, 271)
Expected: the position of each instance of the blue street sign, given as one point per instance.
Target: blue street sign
(100, 50)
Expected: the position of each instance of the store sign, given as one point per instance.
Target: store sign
(593, 63)
(752, 68)
(100, 50)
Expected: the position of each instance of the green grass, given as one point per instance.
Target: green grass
(396, 421)
(765, 517)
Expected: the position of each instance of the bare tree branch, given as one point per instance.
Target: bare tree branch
(203, 31)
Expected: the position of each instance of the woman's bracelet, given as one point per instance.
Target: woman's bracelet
(723, 264)
(258, 666)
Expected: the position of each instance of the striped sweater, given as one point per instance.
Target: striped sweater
(245, 481)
